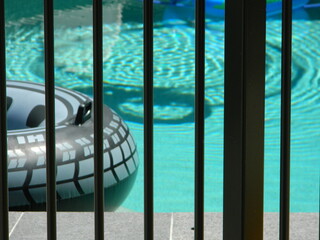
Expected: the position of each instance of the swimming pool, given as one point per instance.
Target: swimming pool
(174, 87)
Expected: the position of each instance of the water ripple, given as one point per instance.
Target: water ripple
(173, 60)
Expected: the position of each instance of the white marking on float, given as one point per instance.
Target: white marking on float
(63, 146)
(67, 145)
(38, 176)
(85, 140)
(88, 150)
(114, 124)
(116, 155)
(21, 162)
(106, 144)
(115, 117)
(19, 153)
(60, 146)
(37, 150)
(121, 172)
(109, 179)
(79, 141)
(65, 156)
(82, 141)
(106, 160)
(40, 151)
(131, 143)
(115, 138)
(122, 132)
(131, 165)
(72, 154)
(21, 140)
(17, 179)
(126, 149)
(108, 131)
(13, 163)
(86, 167)
(65, 171)
(35, 138)
(30, 139)
(11, 154)
(41, 160)
(91, 148)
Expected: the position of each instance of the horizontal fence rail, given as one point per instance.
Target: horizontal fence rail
(4, 226)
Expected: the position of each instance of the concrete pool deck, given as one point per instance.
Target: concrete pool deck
(129, 226)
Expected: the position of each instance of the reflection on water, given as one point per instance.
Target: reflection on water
(170, 105)
(174, 95)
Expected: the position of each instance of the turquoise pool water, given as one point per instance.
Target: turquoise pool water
(174, 94)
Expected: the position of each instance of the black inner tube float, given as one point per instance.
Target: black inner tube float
(74, 150)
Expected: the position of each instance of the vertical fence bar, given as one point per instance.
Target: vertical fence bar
(148, 119)
(245, 27)
(98, 118)
(199, 118)
(50, 120)
(286, 50)
(4, 227)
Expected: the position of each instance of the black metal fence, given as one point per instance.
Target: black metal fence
(245, 29)
(244, 119)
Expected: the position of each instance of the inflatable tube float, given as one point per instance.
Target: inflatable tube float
(74, 150)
